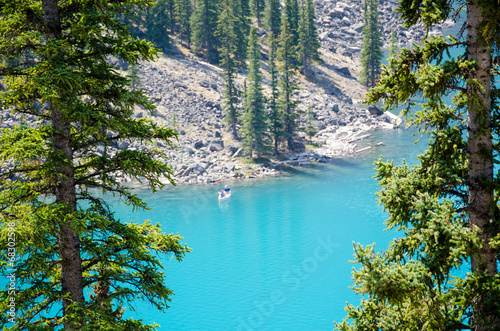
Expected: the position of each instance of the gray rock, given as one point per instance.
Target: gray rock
(188, 150)
(344, 70)
(214, 147)
(123, 144)
(375, 110)
(199, 144)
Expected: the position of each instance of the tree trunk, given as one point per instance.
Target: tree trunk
(480, 172)
(71, 272)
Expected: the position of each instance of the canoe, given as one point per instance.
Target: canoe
(225, 197)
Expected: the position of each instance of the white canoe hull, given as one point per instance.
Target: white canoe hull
(225, 197)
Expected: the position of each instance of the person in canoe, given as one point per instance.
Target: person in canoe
(227, 189)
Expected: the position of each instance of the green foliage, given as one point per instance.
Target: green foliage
(288, 86)
(68, 242)
(255, 124)
(446, 208)
(275, 111)
(258, 7)
(309, 45)
(157, 21)
(292, 15)
(204, 26)
(273, 17)
(135, 79)
(310, 129)
(371, 54)
(183, 12)
(241, 30)
(393, 48)
(227, 25)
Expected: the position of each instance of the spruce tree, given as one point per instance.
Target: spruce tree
(258, 7)
(157, 22)
(310, 129)
(204, 27)
(273, 17)
(393, 47)
(286, 56)
(77, 266)
(228, 47)
(171, 4)
(183, 12)
(291, 13)
(255, 127)
(371, 54)
(441, 270)
(275, 113)
(308, 37)
(241, 30)
(135, 79)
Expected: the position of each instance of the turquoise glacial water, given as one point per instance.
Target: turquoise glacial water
(275, 256)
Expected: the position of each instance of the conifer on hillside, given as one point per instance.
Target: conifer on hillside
(275, 113)
(255, 122)
(273, 17)
(157, 22)
(371, 54)
(204, 27)
(308, 37)
(228, 47)
(183, 12)
(288, 86)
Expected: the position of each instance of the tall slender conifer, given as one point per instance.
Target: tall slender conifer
(273, 17)
(288, 86)
(371, 54)
(228, 46)
(275, 113)
(255, 123)
(204, 27)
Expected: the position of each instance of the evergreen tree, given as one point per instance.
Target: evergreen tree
(446, 208)
(286, 55)
(183, 12)
(310, 129)
(157, 22)
(275, 113)
(371, 54)
(273, 17)
(255, 128)
(393, 48)
(170, 5)
(135, 79)
(76, 265)
(292, 15)
(308, 43)
(241, 30)
(245, 8)
(204, 27)
(228, 47)
(258, 7)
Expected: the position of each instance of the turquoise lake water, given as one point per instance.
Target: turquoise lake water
(275, 256)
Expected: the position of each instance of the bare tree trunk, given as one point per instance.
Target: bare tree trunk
(71, 271)
(480, 172)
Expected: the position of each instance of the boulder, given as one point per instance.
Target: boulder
(375, 110)
(123, 144)
(199, 144)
